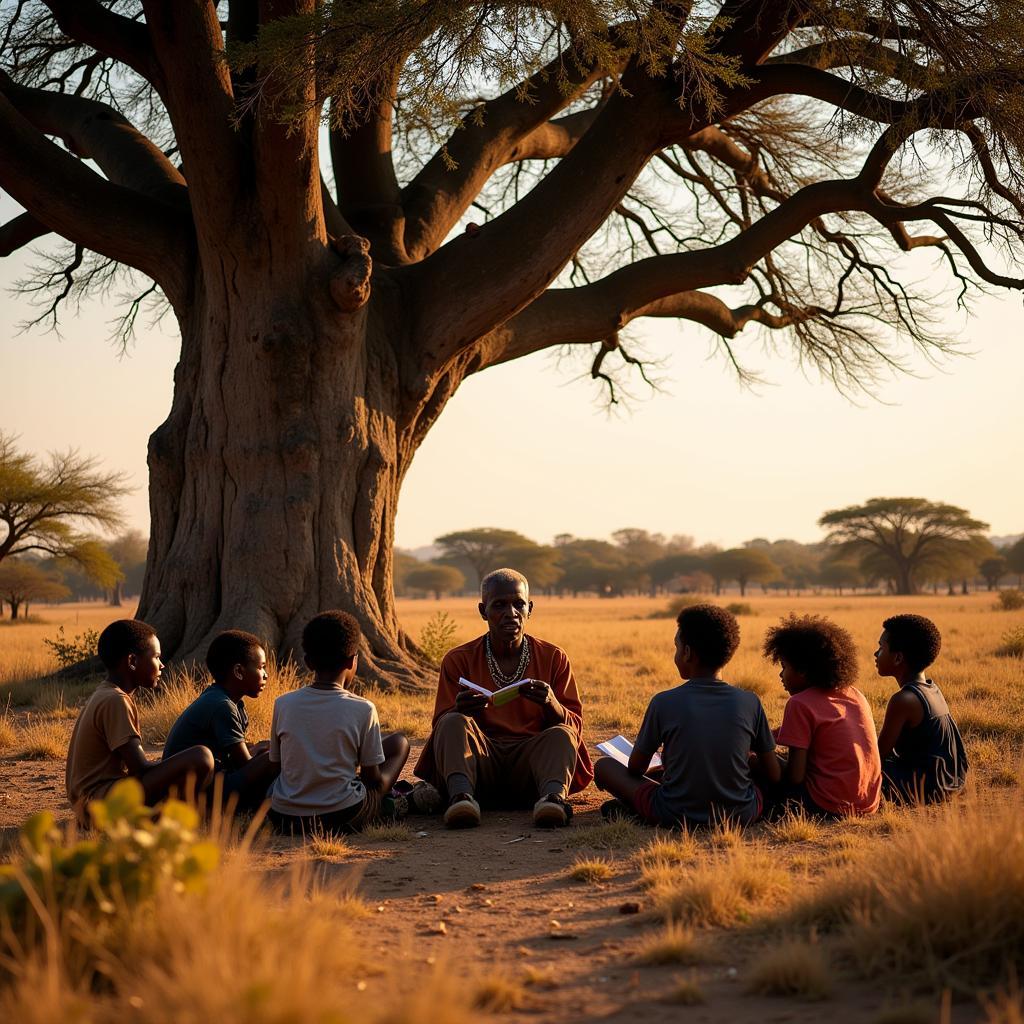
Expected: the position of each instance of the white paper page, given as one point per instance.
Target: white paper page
(620, 748)
(463, 681)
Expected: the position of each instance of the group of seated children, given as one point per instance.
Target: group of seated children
(718, 754)
(327, 766)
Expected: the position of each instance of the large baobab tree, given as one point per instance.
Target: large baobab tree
(498, 179)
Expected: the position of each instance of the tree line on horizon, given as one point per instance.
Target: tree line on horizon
(55, 509)
(900, 545)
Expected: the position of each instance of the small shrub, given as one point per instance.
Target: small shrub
(125, 866)
(1013, 643)
(596, 869)
(68, 652)
(327, 846)
(792, 968)
(740, 608)
(1010, 600)
(676, 605)
(438, 637)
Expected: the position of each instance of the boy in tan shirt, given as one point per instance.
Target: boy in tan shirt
(106, 745)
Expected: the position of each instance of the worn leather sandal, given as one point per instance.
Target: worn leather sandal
(462, 812)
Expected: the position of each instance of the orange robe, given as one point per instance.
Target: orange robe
(518, 718)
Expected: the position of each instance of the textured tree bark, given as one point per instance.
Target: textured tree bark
(274, 481)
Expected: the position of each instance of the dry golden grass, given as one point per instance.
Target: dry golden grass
(685, 992)
(675, 944)
(327, 846)
(498, 993)
(388, 832)
(43, 739)
(793, 967)
(720, 889)
(668, 850)
(592, 869)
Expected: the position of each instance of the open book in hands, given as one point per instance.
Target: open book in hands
(497, 697)
(620, 748)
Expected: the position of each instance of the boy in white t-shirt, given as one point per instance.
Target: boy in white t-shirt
(335, 766)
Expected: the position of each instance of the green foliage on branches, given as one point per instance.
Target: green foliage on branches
(21, 583)
(121, 869)
(904, 539)
(68, 652)
(438, 637)
(45, 504)
(435, 579)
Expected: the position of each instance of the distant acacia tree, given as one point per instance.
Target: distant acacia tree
(839, 574)
(901, 537)
(23, 582)
(45, 506)
(744, 565)
(500, 179)
(993, 569)
(481, 548)
(435, 579)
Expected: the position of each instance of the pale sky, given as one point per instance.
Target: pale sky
(528, 447)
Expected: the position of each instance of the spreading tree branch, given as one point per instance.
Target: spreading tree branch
(21, 231)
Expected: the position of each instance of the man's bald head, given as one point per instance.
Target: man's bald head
(504, 579)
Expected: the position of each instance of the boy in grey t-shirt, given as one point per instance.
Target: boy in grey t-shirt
(335, 765)
(706, 730)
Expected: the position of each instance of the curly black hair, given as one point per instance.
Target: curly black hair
(915, 637)
(121, 637)
(818, 647)
(712, 633)
(230, 648)
(329, 640)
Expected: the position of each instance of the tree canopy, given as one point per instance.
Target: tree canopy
(498, 179)
(901, 537)
(46, 505)
(22, 582)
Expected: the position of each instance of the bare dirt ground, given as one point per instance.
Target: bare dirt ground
(499, 900)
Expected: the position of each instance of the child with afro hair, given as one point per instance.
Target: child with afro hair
(833, 768)
(923, 756)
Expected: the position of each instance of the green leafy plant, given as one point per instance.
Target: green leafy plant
(438, 637)
(80, 647)
(130, 858)
(1010, 600)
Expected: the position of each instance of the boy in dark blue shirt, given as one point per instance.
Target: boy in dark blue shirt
(923, 756)
(707, 731)
(217, 718)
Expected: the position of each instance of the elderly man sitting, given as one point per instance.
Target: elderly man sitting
(529, 748)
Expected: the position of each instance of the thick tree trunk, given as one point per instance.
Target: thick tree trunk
(117, 595)
(15, 605)
(274, 481)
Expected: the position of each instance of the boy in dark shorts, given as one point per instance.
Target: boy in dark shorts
(833, 769)
(106, 745)
(707, 731)
(336, 768)
(923, 756)
(217, 719)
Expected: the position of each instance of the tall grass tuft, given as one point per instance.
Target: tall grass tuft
(793, 967)
(941, 903)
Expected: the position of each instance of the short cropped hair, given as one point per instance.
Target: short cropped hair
(818, 647)
(330, 639)
(916, 638)
(711, 632)
(511, 577)
(230, 648)
(121, 637)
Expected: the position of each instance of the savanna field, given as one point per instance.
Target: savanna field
(907, 916)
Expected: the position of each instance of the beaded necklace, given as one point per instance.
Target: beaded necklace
(497, 675)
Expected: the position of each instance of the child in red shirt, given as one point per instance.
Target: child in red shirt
(833, 768)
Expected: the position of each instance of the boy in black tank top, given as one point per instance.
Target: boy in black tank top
(923, 757)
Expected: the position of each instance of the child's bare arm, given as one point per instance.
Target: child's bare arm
(900, 713)
(639, 762)
(235, 756)
(796, 765)
(768, 763)
(371, 776)
(134, 757)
